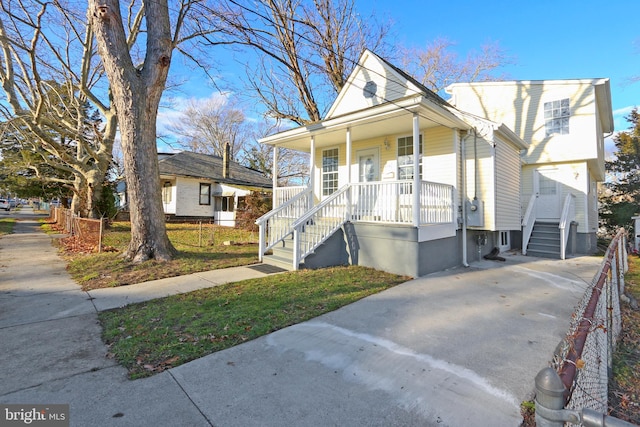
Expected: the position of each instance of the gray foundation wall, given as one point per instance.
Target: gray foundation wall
(396, 249)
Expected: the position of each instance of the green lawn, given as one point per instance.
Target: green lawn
(150, 337)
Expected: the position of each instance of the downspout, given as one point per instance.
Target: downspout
(464, 197)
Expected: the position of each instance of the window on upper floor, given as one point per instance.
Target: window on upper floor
(556, 117)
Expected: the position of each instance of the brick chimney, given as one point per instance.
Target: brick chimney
(226, 160)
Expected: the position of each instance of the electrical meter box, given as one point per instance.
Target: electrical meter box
(475, 213)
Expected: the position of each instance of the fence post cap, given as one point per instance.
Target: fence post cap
(549, 382)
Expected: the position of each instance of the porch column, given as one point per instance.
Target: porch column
(348, 155)
(417, 187)
(312, 169)
(274, 183)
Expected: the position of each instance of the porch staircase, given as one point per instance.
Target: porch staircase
(545, 240)
(282, 253)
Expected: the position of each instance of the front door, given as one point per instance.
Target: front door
(368, 165)
(368, 171)
(548, 189)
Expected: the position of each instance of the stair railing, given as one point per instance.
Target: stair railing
(528, 221)
(568, 215)
(319, 223)
(275, 225)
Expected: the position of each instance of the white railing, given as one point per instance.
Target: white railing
(438, 203)
(392, 201)
(319, 223)
(568, 215)
(277, 224)
(381, 202)
(528, 221)
(282, 195)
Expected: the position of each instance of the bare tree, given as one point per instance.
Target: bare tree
(306, 50)
(206, 126)
(49, 78)
(436, 65)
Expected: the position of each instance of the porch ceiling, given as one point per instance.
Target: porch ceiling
(388, 119)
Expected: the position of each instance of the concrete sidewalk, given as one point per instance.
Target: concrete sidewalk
(456, 348)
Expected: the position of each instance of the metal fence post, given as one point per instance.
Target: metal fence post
(549, 398)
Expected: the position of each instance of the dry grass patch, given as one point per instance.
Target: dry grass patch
(200, 248)
(624, 388)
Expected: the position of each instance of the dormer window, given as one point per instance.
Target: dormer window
(556, 117)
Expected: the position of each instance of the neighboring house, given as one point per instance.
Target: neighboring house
(564, 122)
(201, 186)
(372, 202)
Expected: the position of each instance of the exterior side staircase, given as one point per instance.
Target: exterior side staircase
(545, 240)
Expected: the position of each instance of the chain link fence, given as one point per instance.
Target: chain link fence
(86, 231)
(583, 360)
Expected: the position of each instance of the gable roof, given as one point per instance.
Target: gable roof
(374, 100)
(197, 165)
(375, 81)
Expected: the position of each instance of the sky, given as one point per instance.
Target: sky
(545, 39)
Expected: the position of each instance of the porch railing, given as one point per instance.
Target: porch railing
(276, 224)
(528, 221)
(568, 215)
(392, 201)
(283, 194)
(380, 202)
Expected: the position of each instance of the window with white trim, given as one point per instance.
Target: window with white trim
(329, 171)
(224, 203)
(556, 117)
(166, 192)
(405, 157)
(205, 194)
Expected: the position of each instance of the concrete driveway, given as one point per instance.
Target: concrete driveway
(456, 348)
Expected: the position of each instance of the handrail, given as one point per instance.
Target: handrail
(319, 223)
(528, 222)
(278, 221)
(568, 215)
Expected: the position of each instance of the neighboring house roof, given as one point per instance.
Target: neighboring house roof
(196, 165)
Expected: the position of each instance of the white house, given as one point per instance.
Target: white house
(372, 202)
(201, 186)
(564, 123)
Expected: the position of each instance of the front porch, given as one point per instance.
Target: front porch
(296, 228)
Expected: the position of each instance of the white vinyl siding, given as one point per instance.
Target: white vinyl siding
(439, 161)
(521, 108)
(508, 187)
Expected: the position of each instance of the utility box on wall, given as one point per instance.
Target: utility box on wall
(475, 213)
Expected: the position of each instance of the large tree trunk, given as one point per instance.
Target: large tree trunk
(136, 95)
(148, 232)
